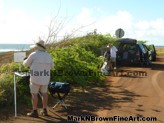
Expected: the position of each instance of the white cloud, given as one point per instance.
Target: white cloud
(104, 24)
(85, 17)
(110, 23)
(152, 31)
(154, 27)
(18, 27)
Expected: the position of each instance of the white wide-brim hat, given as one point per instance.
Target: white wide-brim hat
(39, 45)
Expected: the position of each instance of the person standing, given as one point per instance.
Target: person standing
(107, 56)
(113, 53)
(40, 63)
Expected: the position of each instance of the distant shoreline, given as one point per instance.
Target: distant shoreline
(14, 47)
(25, 50)
(4, 51)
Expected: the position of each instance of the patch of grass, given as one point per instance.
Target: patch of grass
(160, 51)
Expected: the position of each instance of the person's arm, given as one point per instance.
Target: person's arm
(27, 62)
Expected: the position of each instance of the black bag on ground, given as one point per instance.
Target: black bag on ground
(59, 87)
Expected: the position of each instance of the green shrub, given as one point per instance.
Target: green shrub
(75, 65)
(76, 61)
(7, 85)
(94, 43)
(9, 68)
(6, 89)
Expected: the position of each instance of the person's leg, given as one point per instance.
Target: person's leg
(44, 100)
(111, 63)
(114, 63)
(34, 100)
(44, 95)
(113, 60)
(34, 95)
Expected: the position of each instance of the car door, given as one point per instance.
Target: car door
(145, 54)
(153, 52)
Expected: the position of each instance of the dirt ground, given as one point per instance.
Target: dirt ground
(123, 95)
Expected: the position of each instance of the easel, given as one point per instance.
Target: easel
(19, 74)
(18, 58)
(61, 101)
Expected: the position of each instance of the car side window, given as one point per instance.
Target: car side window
(142, 48)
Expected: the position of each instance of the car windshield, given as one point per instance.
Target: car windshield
(127, 47)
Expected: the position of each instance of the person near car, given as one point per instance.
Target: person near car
(113, 53)
(40, 63)
(107, 56)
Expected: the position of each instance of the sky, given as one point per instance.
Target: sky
(24, 21)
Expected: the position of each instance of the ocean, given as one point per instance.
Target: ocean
(14, 47)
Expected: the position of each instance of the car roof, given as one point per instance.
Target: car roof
(126, 40)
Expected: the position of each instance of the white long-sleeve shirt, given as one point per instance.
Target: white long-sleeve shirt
(40, 64)
(113, 52)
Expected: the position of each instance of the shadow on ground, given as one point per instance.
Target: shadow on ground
(158, 66)
(97, 98)
(78, 104)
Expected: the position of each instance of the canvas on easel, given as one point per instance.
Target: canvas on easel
(19, 57)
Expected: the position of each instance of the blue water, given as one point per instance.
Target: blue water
(14, 47)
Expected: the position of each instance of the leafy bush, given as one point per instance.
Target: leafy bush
(75, 65)
(6, 89)
(76, 61)
(7, 85)
(9, 68)
(94, 43)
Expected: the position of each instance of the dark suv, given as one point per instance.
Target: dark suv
(129, 51)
